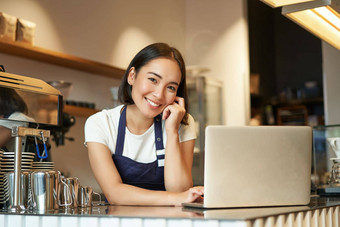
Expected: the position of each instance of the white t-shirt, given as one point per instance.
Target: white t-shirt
(102, 127)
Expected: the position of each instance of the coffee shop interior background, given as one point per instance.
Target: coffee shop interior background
(212, 35)
(286, 69)
(287, 60)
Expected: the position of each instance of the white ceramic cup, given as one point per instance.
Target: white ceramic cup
(335, 145)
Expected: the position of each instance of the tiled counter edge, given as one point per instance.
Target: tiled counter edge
(74, 221)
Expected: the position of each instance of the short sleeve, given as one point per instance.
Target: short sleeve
(95, 129)
(188, 132)
(102, 127)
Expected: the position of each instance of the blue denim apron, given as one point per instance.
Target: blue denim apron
(143, 175)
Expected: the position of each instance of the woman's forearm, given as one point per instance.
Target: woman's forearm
(124, 194)
(112, 186)
(177, 166)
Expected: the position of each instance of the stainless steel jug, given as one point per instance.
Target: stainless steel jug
(46, 187)
(25, 201)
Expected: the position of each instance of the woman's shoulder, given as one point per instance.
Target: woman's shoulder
(188, 132)
(107, 113)
(104, 117)
(190, 119)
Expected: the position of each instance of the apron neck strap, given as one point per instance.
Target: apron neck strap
(121, 132)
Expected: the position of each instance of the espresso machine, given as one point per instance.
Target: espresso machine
(42, 111)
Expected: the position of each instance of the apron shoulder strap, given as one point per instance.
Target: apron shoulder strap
(158, 132)
(122, 127)
(121, 133)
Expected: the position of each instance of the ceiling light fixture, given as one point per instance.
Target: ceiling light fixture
(320, 17)
(278, 3)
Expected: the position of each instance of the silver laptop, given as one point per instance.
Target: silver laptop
(256, 166)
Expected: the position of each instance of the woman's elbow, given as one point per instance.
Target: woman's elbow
(179, 187)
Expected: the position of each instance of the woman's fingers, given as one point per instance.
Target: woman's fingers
(166, 113)
(199, 190)
(195, 194)
(177, 107)
(180, 101)
(191, 195)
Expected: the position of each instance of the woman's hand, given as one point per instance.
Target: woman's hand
(173, 114)
(192, 195)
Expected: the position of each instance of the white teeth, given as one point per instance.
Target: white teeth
(152, 103)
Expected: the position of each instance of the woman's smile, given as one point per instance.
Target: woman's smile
(153, 104)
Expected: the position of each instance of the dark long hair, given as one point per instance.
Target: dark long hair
(11, 102)
(153, 51)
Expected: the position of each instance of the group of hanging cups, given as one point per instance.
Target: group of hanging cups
(49, 190)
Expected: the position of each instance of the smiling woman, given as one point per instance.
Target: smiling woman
(156, 85)
(141, 152)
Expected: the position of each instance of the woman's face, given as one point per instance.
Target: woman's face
(155, 86)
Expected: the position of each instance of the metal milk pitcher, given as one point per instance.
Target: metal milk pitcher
(24, 196)
(73, 184)
(85, 196)
(45, 188)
